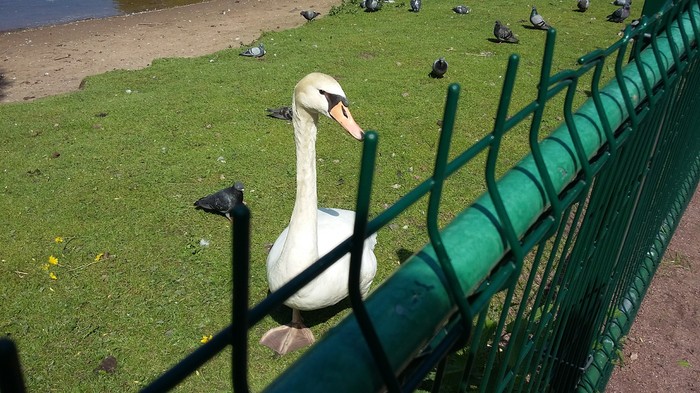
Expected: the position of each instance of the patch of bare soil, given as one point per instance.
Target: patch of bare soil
(52, 60)
(662, 350)
(662, 353)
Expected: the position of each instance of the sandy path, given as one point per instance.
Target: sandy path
(52, 60)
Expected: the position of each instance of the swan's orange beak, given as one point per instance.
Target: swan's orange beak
(341, 114)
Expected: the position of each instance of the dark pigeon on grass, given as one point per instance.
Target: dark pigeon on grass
(222, 202)
(462, 9)
(372, 5)
(283, 113)
(583, 5)
(537, 20)
(415, 5)
(620, 14)
(256, 51)
(309, 15)
(503, 33)
(439, 68)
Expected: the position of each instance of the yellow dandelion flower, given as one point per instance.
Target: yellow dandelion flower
(52, 276)
(45, 267)
(205, 339)
(53, 260)
(58, 239)
(99, 257)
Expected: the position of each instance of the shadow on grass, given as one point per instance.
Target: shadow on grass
(283, 314)
(403, 254)
(531, 27)
(495, 41)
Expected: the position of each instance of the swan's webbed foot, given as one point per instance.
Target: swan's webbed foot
(288, 338)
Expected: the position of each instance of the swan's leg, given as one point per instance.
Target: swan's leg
(290, 337)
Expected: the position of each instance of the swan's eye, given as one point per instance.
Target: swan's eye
(323, 92)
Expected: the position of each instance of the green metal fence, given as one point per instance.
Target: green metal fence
(534, 285)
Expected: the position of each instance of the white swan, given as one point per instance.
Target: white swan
(312, 232)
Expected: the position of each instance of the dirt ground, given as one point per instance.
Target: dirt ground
(52, 60)
(662, 353)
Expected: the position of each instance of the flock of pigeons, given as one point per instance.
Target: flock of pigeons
(502, 32)
(223, 202)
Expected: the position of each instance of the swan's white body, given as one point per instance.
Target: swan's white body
(312, 232)
(334, 226)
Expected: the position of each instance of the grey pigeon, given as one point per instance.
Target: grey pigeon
(439, 68)
(620, 14)
(372, 5)
(503, 33)
(621, 3)
(283, 113)
(309, 15)
(537, 20)
(583, 5)
(256, 51)
(415, 5)
(363, 3)
(222, 202)
(462, 9)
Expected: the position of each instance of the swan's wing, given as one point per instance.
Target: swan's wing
(336, 225)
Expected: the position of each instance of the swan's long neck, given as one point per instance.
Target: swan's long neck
(302, 238)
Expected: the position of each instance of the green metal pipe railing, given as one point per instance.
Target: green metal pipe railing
(416, 303)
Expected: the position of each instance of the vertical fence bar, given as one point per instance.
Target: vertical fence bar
(10, 370)
(364, 191)
(239, 314)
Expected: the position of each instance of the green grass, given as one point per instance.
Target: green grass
(124, 183)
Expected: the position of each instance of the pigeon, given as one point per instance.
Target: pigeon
(462, 9)
(372, 5)
(621, 3)
(620, 14)
(283, 112)
(222, 202)
(583, 5)
(415, 5)
(309, 15)
(363, 3)
(256, 51)
(537, 20)
(503, 33)
(439, 68)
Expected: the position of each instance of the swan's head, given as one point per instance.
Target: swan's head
(320, 93)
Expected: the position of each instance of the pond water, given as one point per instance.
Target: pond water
(19, 14)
